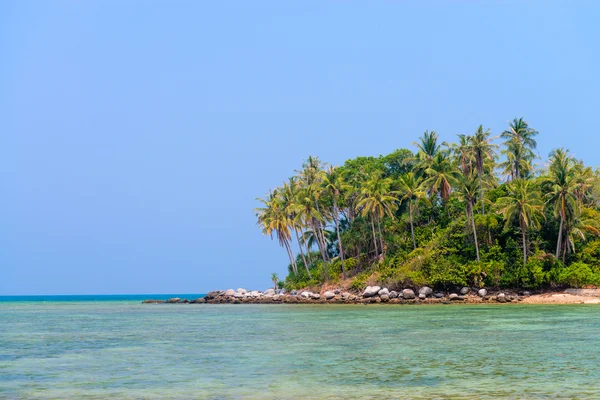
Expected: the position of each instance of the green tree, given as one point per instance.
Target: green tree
(275, 280)
(468, 191)
(523, 202)
(411, 191)
(335, 185)
(484, 154)
(520, 144)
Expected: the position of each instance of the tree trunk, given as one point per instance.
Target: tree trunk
(302, 253)
(380, 235)
(560, 232)
(291, 256)
(412, 229)
(318, 237)
(524, 245)
(337, 228)
(374, 236)
(474, 233)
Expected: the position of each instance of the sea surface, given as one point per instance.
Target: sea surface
(121, 349)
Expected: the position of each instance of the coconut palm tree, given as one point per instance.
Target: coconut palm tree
(376, 201)
(523, 202)
(484, 154)
(441, 175)
(520, 144)
(275, 280)
(411, 191)
(335, 185)
(560, 184)
(468, 190)
(428, 148)
(463, 153)
(289, 194)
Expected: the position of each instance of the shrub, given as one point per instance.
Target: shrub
(578, 274)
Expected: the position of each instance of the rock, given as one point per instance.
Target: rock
(383, 291)
(278, 291)
(305, 294)
(526, 293)
(238, 295)
(465, 290)
(337, 291)
(283, 291)
(200, 300)
(315, 296)
(185, 301)
(346, 295)
(393, 294)
(482, 293)
(427, 291)
(408, 294)
(293, 293)
(229, 292)
(174, 300)
(371, 291)
(153, 302)
(329, 295)
(453, 296)
(385, 297)
(438, 295)
(255, 293)
(422, 296)
(241, 290)
(269, 291)
(501, 298)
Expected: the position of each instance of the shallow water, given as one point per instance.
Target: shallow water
(98, 350)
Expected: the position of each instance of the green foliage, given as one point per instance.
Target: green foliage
(579, 274)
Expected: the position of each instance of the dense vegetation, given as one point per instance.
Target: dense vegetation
(466, 213)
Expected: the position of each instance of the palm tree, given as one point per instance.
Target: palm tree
(484, 153)
(441, 176)
(561, 190)
(411, 191)
(273, 218)
(520, 144)
(524, 203)
(428, 148)
(463, 153)
(275, 280)
(376, 201)
(468, 190)
(289, 194)
(334, 185)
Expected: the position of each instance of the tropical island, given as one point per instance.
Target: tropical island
(483, 212)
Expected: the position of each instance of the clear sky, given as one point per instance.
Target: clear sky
(135, 136)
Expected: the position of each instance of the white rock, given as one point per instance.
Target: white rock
(383, 291)
(329, 295)
(482, 293)
(305, 294)
(241, 290)
(371, 291)
(229, 292)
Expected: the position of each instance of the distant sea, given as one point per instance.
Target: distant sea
(98, 297)
(110, 347)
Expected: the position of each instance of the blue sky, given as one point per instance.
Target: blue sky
(135, 136)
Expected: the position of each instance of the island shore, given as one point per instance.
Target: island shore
(378, 295)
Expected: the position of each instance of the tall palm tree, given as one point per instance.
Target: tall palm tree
(463, 153)
(289, 195)
(428, 148)
(524, 203)
(376, 202)
(411, 191)
(468, 190)
(275, 280)
(273, 218)
(560, 184)
(335, 185)
(484, 154)
(520, 144)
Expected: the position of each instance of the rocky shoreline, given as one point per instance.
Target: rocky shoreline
(371, 295)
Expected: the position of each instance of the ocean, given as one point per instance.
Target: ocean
(100, 348)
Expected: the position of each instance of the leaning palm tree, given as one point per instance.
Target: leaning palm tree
(376, 202)
(468, 191)
(275, 280)
(411, 191)
(523, 202)
(463, 153)
(560, 184)
(335, 185)
(289, 194)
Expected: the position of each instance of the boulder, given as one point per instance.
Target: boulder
(229, 292)
(337, 291)
(200, 300)
(526, 293)
(174, 300)
(283, 291)
(371, 291)
(453, 296)
(346, 295)
(385, 297)
(241, 290)
(269, 292)
(408, 294)
(482, 293)
(329, 295)
(153, 301)
(465, 290)
(293, 293)
(427, 291)
(238, 295)
(438, 295)
(501, 298)
(383, 291)
(422, 296)
(393, 294)
(315, 296)
(305, 294)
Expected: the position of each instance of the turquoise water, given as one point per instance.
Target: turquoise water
(126, 350)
